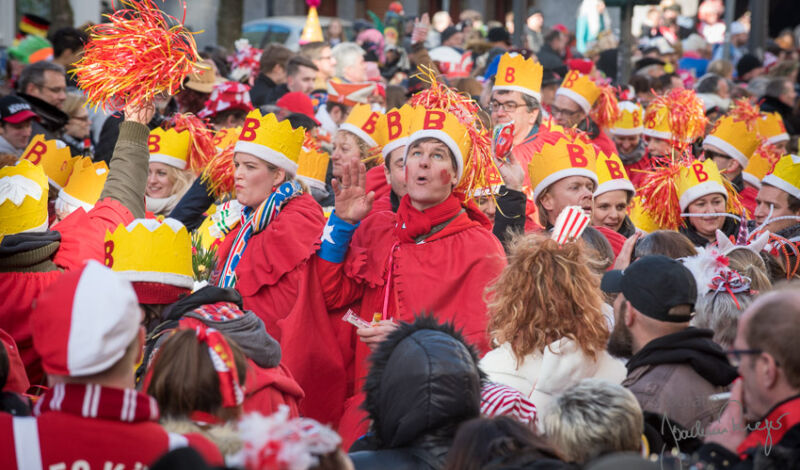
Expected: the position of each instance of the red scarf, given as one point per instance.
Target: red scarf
(413, 223)
(95, 401)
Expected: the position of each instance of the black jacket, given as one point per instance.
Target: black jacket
(550, 59)
(424, 381)
(730, 227)
(262, 87)
(51, 119)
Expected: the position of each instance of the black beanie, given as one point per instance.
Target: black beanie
(747, 63)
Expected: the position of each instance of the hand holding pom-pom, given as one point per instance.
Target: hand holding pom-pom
(140, 112)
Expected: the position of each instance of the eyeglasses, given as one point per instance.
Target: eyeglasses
(555, 110)
(508, 106)
(55, 89)
(736, 355)
(81, 118)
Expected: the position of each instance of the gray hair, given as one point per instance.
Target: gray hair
(718, 312)
(34, 74)
(346, 54)
(578, 421)
(776, 87)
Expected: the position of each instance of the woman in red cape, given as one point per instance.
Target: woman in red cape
(434, 256)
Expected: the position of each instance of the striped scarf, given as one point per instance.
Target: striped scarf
(254, 221)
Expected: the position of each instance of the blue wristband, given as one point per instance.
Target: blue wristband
(335, 239)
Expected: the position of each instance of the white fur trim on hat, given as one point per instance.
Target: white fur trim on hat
(172, 279)
(358, 132)
(778, 138)
(619, 184)
(732, 151)
(393, 145)
(657, 134)
(560, 175)
(576, 97)
(703, 189)
(523, 90)
(781, 184)
(621, 131)
(446, 139)
(751, 180)
(72, 201)
(168, 160)
(267, 154)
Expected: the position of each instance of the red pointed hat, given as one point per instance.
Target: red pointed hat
(84, 322)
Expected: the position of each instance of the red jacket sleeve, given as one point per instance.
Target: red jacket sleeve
(337, 288)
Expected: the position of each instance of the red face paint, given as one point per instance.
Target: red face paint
(444, 176)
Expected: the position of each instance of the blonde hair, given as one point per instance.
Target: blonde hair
(546, 293)
(73, 103)
(363, 148)
(180, 179)
(749, 263)
(578, 421)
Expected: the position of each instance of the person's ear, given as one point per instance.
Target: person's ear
(280, 175)
(768, 370)
(546, 200)
(534, 116)
(630, 314)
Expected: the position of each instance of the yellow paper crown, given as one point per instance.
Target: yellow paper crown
(757, 168)
(698, 179)
(85, 183)
(23, 198)
(226, 137)
(56, 161)
(515, 73)
(631, 119)
(580, 89)
(559, 156)
(148, 250)
(611, 175)
(272, 141)
(169, 147)
(439, 124)
(365, 123)
(734, 138)
(641, 218)
(397, 128)
(786, 175)
(771, 127)
(312, 167)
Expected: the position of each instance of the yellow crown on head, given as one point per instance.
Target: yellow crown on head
(272, 141)
(365, 123)
(611, 175)
(444, 126)
(312, 167)
(170, 147)
(734, 138)
(148, 250)
(631, 119)
(55, 160)
(396, 129)
(642, 219)
(698, 179)
(85, 183)
(226, 137)
(515, 73)
(558, 156)
(771, 127)
(786, 175)
(580, 89)
(23, 198)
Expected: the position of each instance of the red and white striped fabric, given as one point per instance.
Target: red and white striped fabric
(502, 400)
(570, 224)
(83, 323)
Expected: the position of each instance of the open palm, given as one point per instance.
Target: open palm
(353, 203)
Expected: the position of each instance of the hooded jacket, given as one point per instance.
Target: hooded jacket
(424, 381)
(673, 376)
(51, 119)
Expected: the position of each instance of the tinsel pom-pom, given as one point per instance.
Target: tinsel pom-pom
(218, 174)
(687, 118)
(659, 195)
(745, 111)
(768, 152)
(202, 148)
(606, 109)
(141, 52)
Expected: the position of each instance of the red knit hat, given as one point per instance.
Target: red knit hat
(614, 238)
(227, 95)
(298, 102)
(583, 66)
(84, 322)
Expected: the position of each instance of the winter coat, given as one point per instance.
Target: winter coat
(674, 375)
(424, 381)
(30, 262)
(262, 89)
(51, 119)
(730, 227)
(119, 430)
(541, 376)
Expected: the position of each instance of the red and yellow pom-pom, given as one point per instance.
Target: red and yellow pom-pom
(744, 111)
(480, 163)
(659, 195)
(687, 118)
(202, 148)
(768, 152)
(606, 109)
(218, 174)
(135, 56)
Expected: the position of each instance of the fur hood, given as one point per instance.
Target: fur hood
(424, 377)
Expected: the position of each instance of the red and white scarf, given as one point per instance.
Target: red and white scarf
(97, 402)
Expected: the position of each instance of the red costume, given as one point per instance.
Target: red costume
(748, 197)
(267, 389)
(82, 238)
(117, 429)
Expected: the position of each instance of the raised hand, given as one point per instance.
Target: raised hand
(512, 172)
(353, 203)
(141, 113)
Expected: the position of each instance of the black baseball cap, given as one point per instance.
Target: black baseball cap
(15, 110)
(654, 284)
(499, 34)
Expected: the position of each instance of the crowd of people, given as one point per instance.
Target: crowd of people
(421, 247)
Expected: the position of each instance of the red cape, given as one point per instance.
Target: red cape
(267, 389)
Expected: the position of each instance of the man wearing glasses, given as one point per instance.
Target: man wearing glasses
(44, 85)
(574, 101)
(673, 368)
(767, 396)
